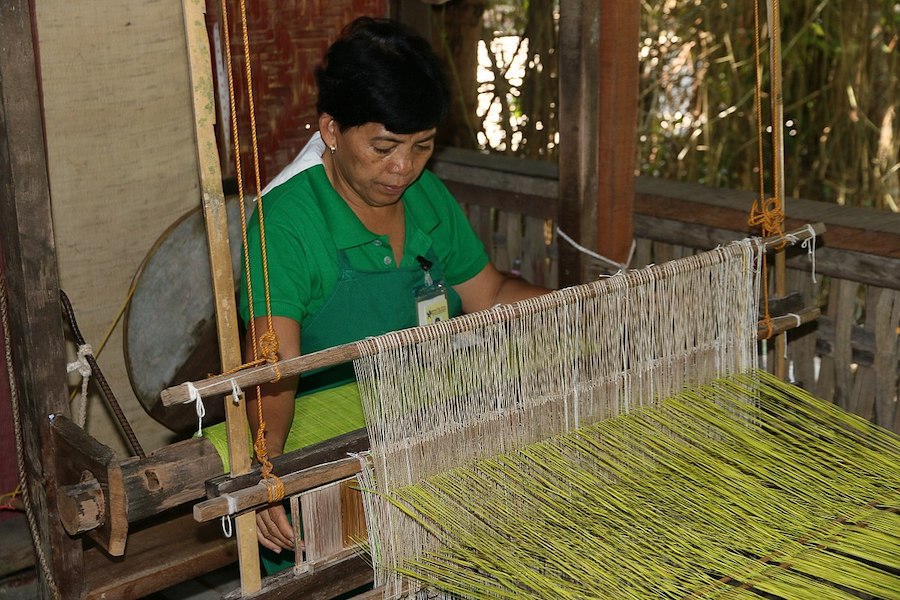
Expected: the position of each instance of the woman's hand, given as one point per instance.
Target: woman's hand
(273, 530)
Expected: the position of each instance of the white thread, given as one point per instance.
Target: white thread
(235, 392)
(227, 530)
(595, 255)
(810, 245)
(799, 323)
(232, 503)
(84, 369)
(198, 404)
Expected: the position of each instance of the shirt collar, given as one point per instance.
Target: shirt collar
(346, 228)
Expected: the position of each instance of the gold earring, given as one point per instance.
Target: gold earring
(333, 148)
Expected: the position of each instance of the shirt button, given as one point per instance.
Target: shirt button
(387, 260)
(377, 242)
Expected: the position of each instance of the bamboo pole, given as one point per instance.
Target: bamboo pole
(339, 354)
(213, 199)
(774, 21)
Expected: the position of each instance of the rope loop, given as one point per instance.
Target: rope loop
(84, 369)
(274, 485)
(268, 346)
(274, 488)
(81, 365)
(227, 529)
(770, 217)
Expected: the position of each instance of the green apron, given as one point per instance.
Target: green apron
(362, 304)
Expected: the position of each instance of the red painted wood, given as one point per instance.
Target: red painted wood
(288, 39)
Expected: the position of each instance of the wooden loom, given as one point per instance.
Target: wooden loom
(496, 388)
(123, 493)
(236, 499)
(240, 501)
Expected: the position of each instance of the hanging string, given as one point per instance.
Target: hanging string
(197, 399)
(265, 347)
(84, 369)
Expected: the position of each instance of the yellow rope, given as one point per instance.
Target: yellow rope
(267, 345)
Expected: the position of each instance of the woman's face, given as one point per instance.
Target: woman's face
(371, 165)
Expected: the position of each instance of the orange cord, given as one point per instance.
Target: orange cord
(766, 213)
(267, 344)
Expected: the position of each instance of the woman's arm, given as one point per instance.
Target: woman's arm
(491, 287)
(273, 529)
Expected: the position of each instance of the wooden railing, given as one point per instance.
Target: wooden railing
(850, 355)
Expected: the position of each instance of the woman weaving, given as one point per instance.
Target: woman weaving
(361, 239)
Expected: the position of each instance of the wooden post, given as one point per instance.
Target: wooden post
(215, 214)
(598, 74)
(32, 283)
(618, 98)
(774, 21)
(416, 14)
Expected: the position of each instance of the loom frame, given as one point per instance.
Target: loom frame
(39, 332)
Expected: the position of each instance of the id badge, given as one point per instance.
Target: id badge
(431, 304)
(431, 298)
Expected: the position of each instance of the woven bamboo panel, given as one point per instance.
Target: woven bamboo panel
(288, 39)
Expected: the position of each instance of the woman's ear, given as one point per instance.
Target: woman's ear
(328, 128)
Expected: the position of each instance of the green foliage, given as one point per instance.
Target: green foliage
(840, 73)
(840, 87)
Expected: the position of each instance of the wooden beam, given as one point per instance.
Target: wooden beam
(169, 477)
(578, 50)
(83, 459)
(327, 581)
(32, 282)
(617, 115)
(416, 14)
(291, 462)
(214, 211)
(160, 555)
(257, 496)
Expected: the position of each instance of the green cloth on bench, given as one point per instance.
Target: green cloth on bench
(318, 416)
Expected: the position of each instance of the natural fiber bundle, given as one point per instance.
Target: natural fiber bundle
(746, 487)
(492, 382)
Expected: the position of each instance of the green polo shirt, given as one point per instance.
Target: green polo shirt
(307, 223)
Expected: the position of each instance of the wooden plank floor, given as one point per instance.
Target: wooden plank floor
(212, 586)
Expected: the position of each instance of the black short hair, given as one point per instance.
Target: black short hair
(381, 71)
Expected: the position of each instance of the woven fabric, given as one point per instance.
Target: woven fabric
(318, 416)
